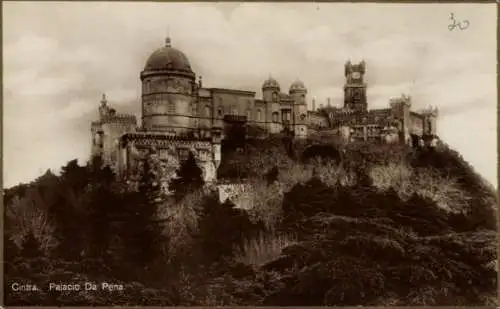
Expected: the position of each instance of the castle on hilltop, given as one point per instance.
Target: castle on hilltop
(180, 116)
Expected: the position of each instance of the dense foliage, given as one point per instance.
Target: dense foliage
(359, 224)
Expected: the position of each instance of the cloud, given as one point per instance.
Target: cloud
(59, 57)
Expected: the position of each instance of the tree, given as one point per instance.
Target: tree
(74, 175)
(103, 206)
(189, 178)
(140, 232)
(30, 248)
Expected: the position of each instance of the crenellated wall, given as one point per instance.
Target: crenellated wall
(170, 150)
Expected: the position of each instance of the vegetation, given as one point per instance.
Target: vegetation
(359, 224)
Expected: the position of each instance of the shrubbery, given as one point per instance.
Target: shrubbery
(377, 225)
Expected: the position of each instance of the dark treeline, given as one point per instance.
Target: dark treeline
(334, 242)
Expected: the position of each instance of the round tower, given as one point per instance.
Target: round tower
(298, 92)
(270, 90)
(168, 84)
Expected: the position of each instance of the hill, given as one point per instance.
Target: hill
(331, 224)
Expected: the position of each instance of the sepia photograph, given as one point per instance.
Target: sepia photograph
(249, 154)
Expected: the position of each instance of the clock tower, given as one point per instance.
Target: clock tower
(355, 87)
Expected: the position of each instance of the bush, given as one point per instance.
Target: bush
(263, 249)
(222, 227)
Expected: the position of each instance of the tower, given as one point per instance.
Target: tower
(298, 92)
(104, 108)
(430, 119)
(168, 91)
(270, 90)
(400, 112)
(355, 87)
(271, 96)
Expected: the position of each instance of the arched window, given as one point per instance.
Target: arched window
(275, 117)
(208, 112)
(219, 112)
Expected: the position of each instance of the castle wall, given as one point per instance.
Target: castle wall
(260, 114)
(112, 130)
(170, 151)
(205, 112)
(316, 120)
(233, 103)
(416, 124)
(96, 144)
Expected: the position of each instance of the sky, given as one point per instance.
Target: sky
(58, 59)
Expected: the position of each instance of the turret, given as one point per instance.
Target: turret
(400, 110)
(270, 90)
(104, 109)
(298, 92)
(430, 120)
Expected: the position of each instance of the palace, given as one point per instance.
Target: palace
(180, 116)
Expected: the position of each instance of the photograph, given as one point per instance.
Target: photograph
(249, 154)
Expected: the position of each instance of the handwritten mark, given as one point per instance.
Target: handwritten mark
(462, 25)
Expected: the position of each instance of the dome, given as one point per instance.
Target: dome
(270, 83)
(298, 86)
(167, 58)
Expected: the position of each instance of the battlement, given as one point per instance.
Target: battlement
(350, 67)
(403, 99)
(119, 118)
(429, 111)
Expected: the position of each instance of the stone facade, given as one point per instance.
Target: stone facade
(179, 116)
(397, 123)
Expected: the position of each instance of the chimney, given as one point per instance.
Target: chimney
(329, 102)
(314, 104)
(200, 83)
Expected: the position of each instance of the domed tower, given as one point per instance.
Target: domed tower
(270, 90)
(168, 85)
(298, 92)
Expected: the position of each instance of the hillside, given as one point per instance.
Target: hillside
(332, 224)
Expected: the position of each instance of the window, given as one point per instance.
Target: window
(234, 111)
(171, 106)
(219, 112)
(183, 154)
(275, 117)
(259, 115)
(249, 114)
(208, 113)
